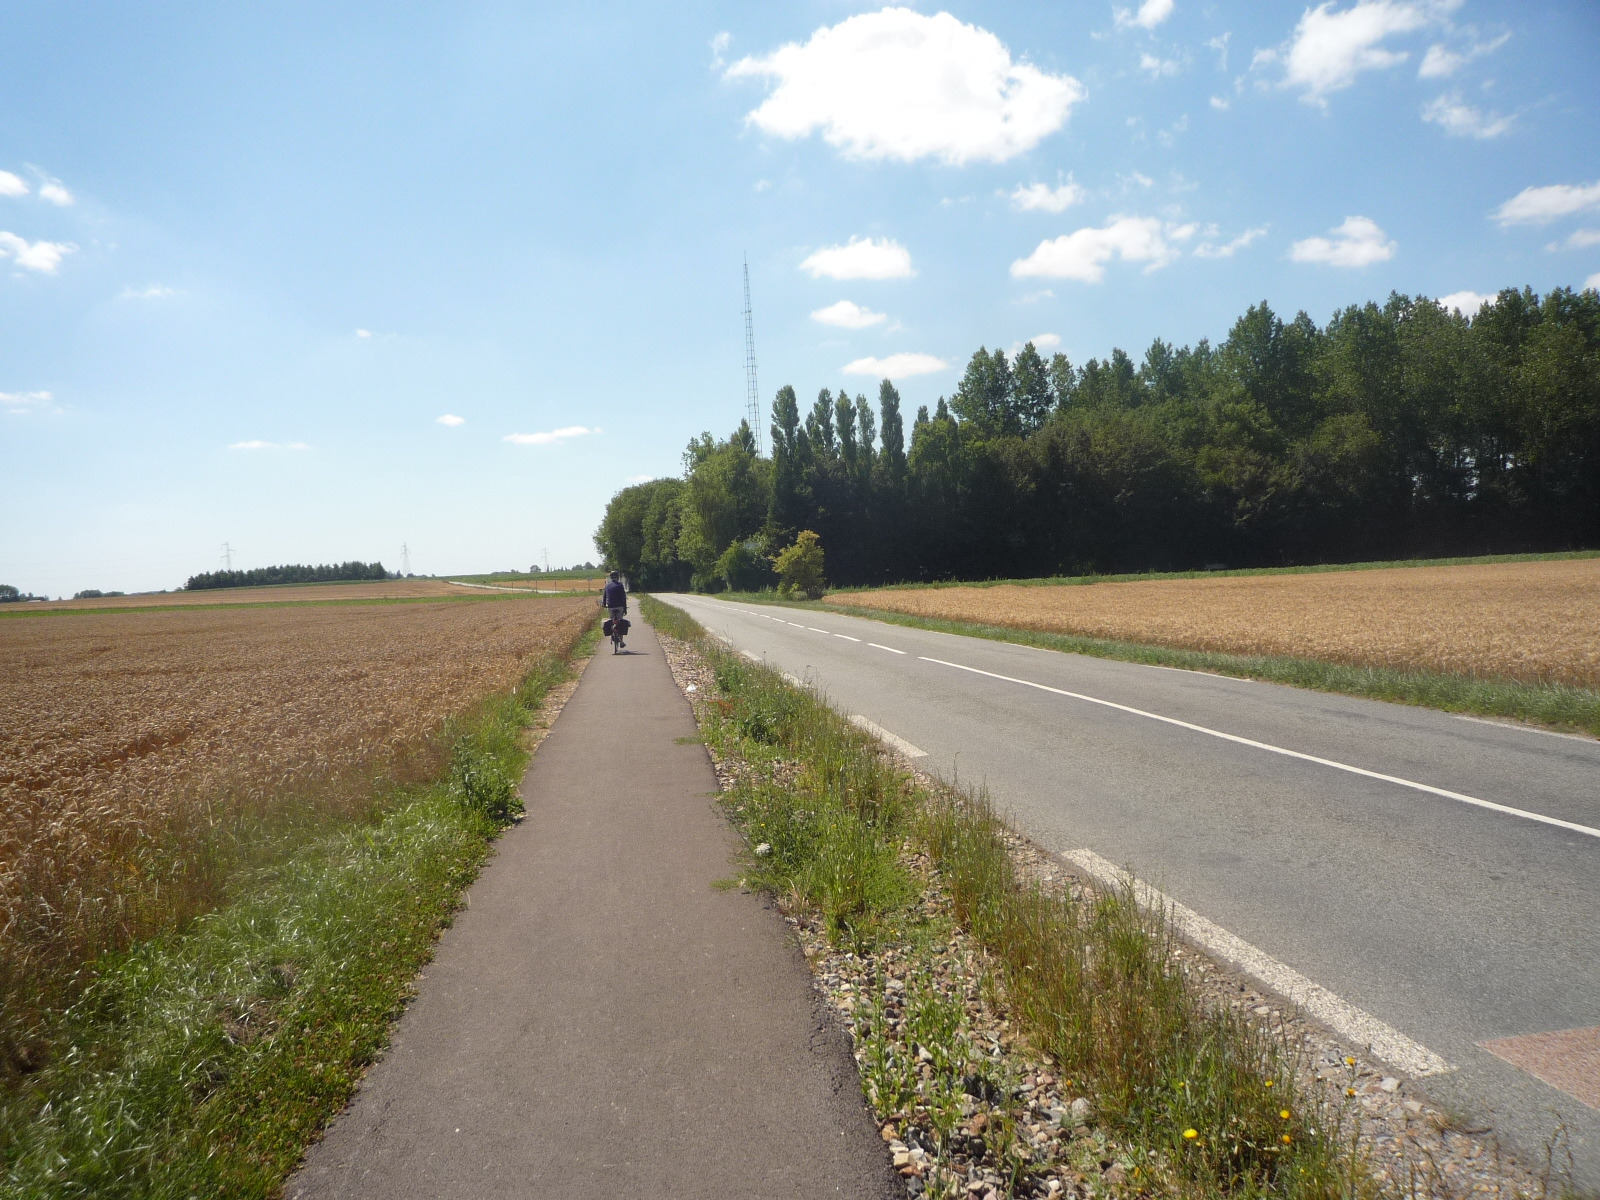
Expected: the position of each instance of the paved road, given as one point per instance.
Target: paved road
(1454, 923)
(600, 1021)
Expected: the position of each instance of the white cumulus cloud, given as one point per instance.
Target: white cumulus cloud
(896, 366)
(1578, 239)
(1455, 116)
(12, 185)
(1082, 255)
(21, 403)
(1466, 303)
(256, 444)
(1331, 47)
(55, 193)
(451, 420)
(1044, 343)
(861, 258)
(549, 438)
(846, 314)
(901, 85)
(1356, 242)
(1592, 283)
(35, 256)
(1540, 205)
(1041, 197)
(1147, 16)
(1159, 66)
(1213, 249)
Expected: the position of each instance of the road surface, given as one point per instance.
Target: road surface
(1439, 875)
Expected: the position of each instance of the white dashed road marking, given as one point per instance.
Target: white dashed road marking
(890, 649)
(883, 735)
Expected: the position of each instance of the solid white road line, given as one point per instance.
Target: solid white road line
(1572, 826)
(883, 735)
(846, 637)
(890, 649)
(1343, 1018)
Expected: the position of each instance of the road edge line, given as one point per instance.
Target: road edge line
(1344, 1018)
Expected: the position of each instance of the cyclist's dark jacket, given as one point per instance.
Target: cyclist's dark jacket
(615, 595)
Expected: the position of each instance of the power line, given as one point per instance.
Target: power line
(405, 559)
(752, 392)
(227, 555)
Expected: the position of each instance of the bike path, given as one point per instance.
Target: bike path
(599, 1021)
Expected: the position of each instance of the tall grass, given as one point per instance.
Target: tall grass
(1094, 982)
(202, 1062)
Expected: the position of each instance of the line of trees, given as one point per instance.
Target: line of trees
(289, 573)
(1396, 430)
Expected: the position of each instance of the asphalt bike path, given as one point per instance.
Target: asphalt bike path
(1433, 881)
(600, 1021)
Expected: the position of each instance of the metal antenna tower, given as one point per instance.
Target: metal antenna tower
(752, 397)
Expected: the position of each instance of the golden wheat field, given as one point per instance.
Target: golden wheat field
(1538, 622)
(127, 735)
(387, 589)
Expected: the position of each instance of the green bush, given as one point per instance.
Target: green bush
(799, 567)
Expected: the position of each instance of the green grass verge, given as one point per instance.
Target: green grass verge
(1554, 706)
(1200, 1093)
(1311, 569)
(202, 1064)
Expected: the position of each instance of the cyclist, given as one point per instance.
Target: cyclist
(615, 597)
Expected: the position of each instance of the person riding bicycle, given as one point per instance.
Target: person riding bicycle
(615, 596)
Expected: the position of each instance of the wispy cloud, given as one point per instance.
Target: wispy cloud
(719, 50)
(1082, 255)
(1541, 205)
(896, 366)
(899, 84)
(1592, 283)
(451, 420)
(1467, 303)
(23, 403)
(549, 438)
(860, 258)
(256, 444)
(1440, 62)
(56, 194)
(1459, 118)
(44, 257)
(1211, 248)
(363, 333)
(1356, 242)
(1157, 66)
(154, 291)
(846, 314)
(1044, 343)
(1578, 239)
(1147, 16)
(1041, 197)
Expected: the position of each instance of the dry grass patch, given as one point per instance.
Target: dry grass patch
(1536, 622)
(146, 755)
(386, 589)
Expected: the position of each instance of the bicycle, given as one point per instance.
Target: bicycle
(616, 629)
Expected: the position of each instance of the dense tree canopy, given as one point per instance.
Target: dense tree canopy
(291, 573)
(1395, 430)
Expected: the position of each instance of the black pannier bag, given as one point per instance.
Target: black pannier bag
(606, 628)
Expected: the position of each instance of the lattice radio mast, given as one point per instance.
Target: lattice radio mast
(752, 398)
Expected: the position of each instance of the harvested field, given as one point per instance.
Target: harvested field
(136, 744)
(1536, 622)
(299, 593)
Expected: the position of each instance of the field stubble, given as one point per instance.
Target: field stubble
(147, 755)
(1535, 622)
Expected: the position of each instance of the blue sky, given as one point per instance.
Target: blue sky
(250, 255)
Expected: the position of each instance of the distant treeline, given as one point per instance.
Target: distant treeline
(1396, 430)
(294, 573)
